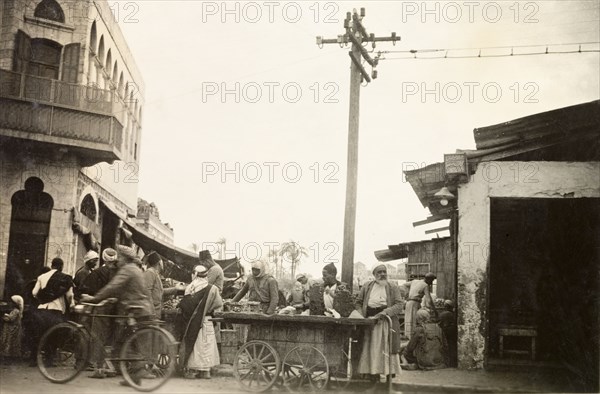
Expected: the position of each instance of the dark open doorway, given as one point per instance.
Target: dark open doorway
(544, 264)
(29, 227)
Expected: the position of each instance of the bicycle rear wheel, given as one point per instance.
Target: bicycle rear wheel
(63, 352)
(147, 358)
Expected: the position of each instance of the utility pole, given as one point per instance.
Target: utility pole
(356, 34)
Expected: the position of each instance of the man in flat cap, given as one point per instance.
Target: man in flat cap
(419, 291)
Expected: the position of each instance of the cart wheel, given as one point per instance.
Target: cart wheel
(305, 368)
(339, 379)
(256, 366)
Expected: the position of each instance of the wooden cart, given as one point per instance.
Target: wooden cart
(294, 351)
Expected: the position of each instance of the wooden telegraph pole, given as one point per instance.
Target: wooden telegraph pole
(355, 34)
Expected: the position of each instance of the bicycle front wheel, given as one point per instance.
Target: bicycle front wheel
(63, 352)
(147, 358)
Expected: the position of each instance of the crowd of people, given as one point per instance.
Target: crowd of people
(133, 281)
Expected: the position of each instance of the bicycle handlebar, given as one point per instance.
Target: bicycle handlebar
(101, 303)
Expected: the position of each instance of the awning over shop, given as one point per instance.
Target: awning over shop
(183, 259)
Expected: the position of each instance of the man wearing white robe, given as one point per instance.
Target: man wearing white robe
(378, 299)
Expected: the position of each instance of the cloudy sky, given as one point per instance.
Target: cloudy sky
(246, 118)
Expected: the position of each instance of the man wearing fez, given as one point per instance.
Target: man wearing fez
(215, 275)
(154, 283)
(377, 299)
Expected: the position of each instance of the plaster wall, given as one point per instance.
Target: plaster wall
(502, 179)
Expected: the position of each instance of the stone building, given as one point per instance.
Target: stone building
(148, 218)
(71, 102)
(524, 245)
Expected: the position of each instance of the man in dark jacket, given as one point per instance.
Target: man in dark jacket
(90, 260)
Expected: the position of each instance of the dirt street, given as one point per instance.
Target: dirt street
(22, 379)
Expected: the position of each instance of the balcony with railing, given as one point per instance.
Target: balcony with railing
(85, 118)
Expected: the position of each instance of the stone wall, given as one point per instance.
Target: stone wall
(60, 182)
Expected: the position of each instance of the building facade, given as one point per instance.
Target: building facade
(148, 218)
(523, 258)
(71, 102)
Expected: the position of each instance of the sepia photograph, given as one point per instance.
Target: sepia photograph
(299, 196)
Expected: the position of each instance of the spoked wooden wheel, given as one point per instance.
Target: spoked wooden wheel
(256, 366)
(305, 368)
(339, 378)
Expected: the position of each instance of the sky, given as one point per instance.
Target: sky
(246, 119)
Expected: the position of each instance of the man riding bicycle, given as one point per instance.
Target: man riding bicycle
(129, 287)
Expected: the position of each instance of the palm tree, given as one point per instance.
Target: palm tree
(222, 242)
(274, 256)
(294, 251)
(195, 247)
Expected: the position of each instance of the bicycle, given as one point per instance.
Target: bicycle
(146, 359)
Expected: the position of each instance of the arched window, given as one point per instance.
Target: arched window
(93, 38)
(115, 73)
(88, 207)
(108, 62)
(121, 82)
(101, 50)
(49, 9)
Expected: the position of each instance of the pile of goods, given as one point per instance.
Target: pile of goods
(172, 303)
(316, 303)
(242, 306)
(343, 301)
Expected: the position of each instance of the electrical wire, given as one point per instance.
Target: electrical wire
(484, 56)
(496, 47)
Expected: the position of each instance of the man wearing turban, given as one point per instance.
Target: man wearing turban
(377, 299)
(261, 287)
(101, 326)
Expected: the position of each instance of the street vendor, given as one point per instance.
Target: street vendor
(261, 287)
(377, 299)
(330, 284)
(298, 297)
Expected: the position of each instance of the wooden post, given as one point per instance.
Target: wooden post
(352, 170)
(357, 35)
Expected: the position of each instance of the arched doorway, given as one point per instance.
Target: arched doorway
(29, 228)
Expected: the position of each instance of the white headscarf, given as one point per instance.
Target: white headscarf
(199, 282)
(261, 266)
